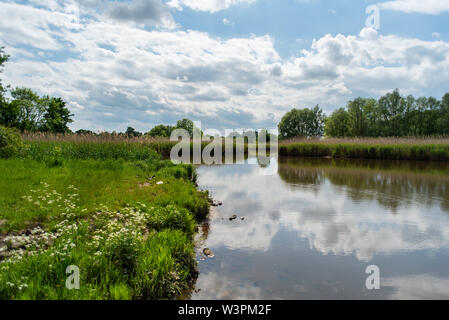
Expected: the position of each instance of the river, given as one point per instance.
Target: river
(310, 228)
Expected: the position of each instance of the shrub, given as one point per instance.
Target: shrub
(171, 217)
(11, 143)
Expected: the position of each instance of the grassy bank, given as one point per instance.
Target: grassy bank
(383, 149)
(106, 147)
(122, 215)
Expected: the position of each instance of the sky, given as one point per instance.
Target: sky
(230, 64)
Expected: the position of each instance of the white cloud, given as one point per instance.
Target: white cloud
(151, 76)
(226, 22)
(418, 287)
(417, 6)
(207, 5)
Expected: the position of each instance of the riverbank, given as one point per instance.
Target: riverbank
(122, 216)
(381, 148)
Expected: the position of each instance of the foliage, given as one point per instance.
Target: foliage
(302, 123)
(338, 124)
(56, 116)
(29, 112)
(392, 115)
(132, 133)
(11, 143)
(187, 125)
(161, 131)
(3, 58)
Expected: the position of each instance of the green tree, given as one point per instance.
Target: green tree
(3, 102)
(31, 108)
(56, 116)
(392, 107)
(302, 123)
(3, 58)
(337, 124)
(9, 114)
(187, 125)
(161, 131)
(85, 132)
(443, 121)
(358, 126)
(131, 132)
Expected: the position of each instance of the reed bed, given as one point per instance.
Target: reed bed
(370, 141)
(421, 149)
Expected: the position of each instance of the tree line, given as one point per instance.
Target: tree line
(159, 131)
(392, 115)
(27, 111)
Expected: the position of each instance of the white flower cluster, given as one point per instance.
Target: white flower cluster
(37, 240)
(113, 227)
(44, 198)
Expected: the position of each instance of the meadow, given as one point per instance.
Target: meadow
(119, 212)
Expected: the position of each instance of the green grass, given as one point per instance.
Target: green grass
(99, 208)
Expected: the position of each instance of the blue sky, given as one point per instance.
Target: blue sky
(228, 63)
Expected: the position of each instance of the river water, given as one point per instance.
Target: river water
(312, 227)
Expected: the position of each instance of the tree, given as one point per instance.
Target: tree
(357, 120)
(131, 133)
(85, 132)
(3, 58)
(187, 125)
(337, 125)
(10, 114)
(161, 131)
(57, 116)
(29, 112)
(302, 123)
(392, 107)
(443, 121)
(3, 101)
(31, 108)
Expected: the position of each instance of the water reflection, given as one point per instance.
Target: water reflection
(311, 230)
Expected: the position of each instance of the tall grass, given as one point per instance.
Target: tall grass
(101, 147)
(369, 148)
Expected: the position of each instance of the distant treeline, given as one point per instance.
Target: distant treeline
(391, 115)
(159, 131)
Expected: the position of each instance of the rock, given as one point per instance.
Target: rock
(15, 245)
(208, 253)
(233, 217)
(4, 255)
(242, 218)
